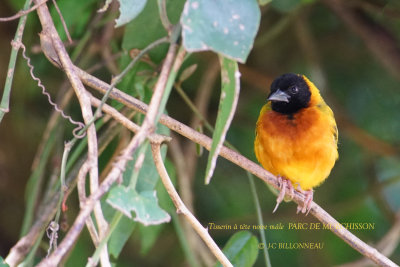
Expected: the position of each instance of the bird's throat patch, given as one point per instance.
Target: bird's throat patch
(290, 125)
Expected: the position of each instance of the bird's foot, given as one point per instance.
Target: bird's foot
(284, 185)
(307, 202)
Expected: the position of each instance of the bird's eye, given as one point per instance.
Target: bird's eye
(294, 89)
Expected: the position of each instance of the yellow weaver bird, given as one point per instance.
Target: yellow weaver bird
(296, 137)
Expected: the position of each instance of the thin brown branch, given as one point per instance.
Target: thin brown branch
(162, 6)
(80, 221)
(23, 12)
(79, 125)
(127, 123)
(48, 207)
(182, 209)
(84, 100)
(81, 186)
(146, 129)
(185, 160)
(63, 22)
(244, 163)
(185, 183)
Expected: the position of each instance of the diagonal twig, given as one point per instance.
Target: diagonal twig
(181, 208)
(23, 12)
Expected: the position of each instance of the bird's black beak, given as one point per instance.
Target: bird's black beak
(279, 96)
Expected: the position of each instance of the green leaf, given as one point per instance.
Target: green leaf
(230, 78)
(144, 204)
(120, 236)
(226, 27)
(3, 263)
(241, 249)
(129, 9)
